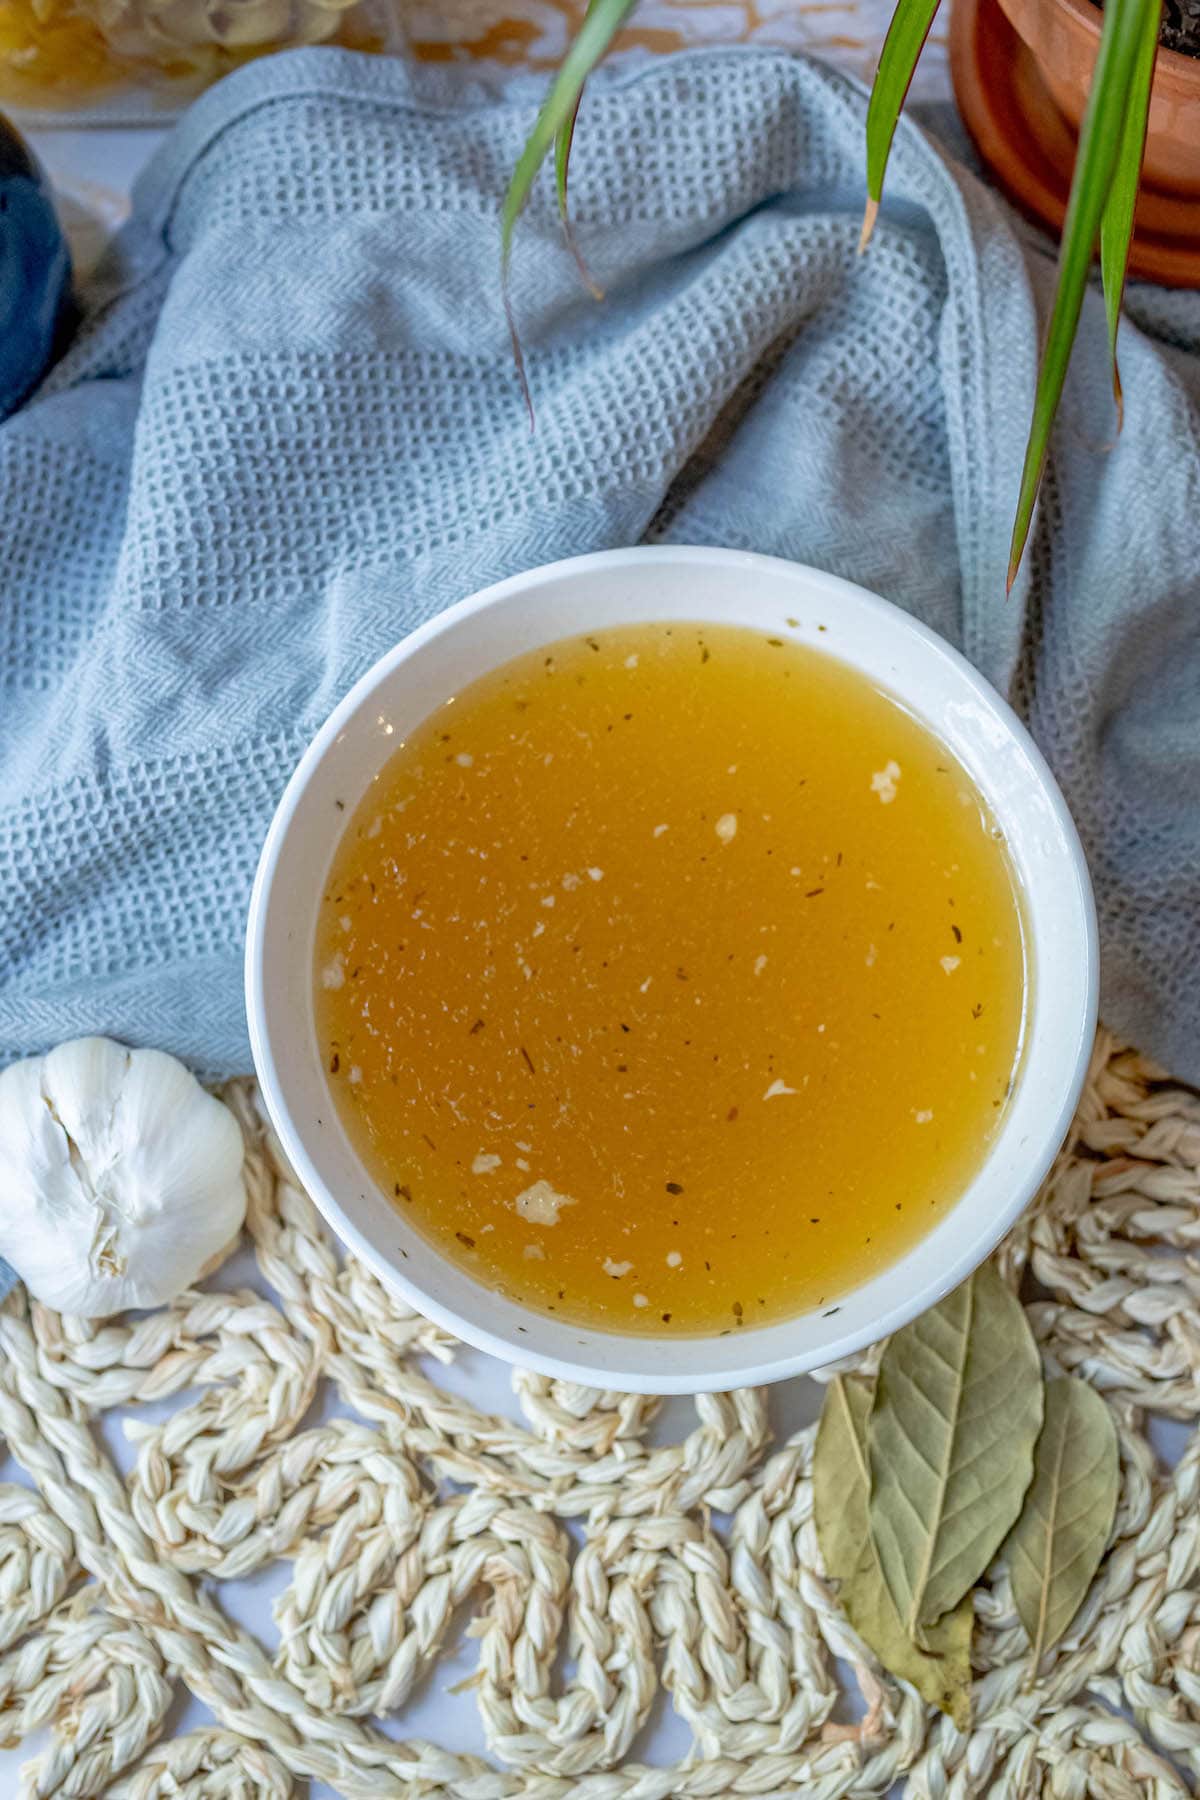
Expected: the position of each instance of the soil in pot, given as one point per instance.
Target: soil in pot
(1180, 28)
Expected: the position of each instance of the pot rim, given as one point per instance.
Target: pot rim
(1173, 69)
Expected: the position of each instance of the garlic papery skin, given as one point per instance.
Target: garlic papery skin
(120, 1177)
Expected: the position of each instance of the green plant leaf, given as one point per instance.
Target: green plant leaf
(601, 23)
(1116, 224)
(1101, 138)
(562, 160)
(957, 1410)
(841, 1491)
(901, 48)
(1055, 1547)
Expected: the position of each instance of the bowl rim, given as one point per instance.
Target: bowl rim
(925, 1294)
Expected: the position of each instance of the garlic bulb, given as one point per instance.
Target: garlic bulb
(120, 1178)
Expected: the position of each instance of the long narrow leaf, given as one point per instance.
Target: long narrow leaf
(897, 60)
(1100, 139)
(601, 24)
(1116, 226)
(562, 160)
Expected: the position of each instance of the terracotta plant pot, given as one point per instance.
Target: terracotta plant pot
(1022, 70)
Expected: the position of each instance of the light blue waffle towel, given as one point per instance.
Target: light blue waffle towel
(290, 430)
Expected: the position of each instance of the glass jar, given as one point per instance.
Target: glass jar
(61, 56)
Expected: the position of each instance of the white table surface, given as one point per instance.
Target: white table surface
(92, 170)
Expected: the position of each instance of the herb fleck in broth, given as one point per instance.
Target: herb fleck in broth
(671, 979)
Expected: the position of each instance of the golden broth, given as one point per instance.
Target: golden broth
(671, 979)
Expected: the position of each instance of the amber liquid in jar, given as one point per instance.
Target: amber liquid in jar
(671, 979)
(65, 54)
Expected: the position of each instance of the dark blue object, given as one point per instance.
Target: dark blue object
(35, 274)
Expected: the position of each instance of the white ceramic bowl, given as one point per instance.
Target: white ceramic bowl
(639, 586)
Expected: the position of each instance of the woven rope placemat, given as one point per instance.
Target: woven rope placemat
(395, 1518)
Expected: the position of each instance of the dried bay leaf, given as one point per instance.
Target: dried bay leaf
(1055, 1547)
(841, 1492)
(957, 1410)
